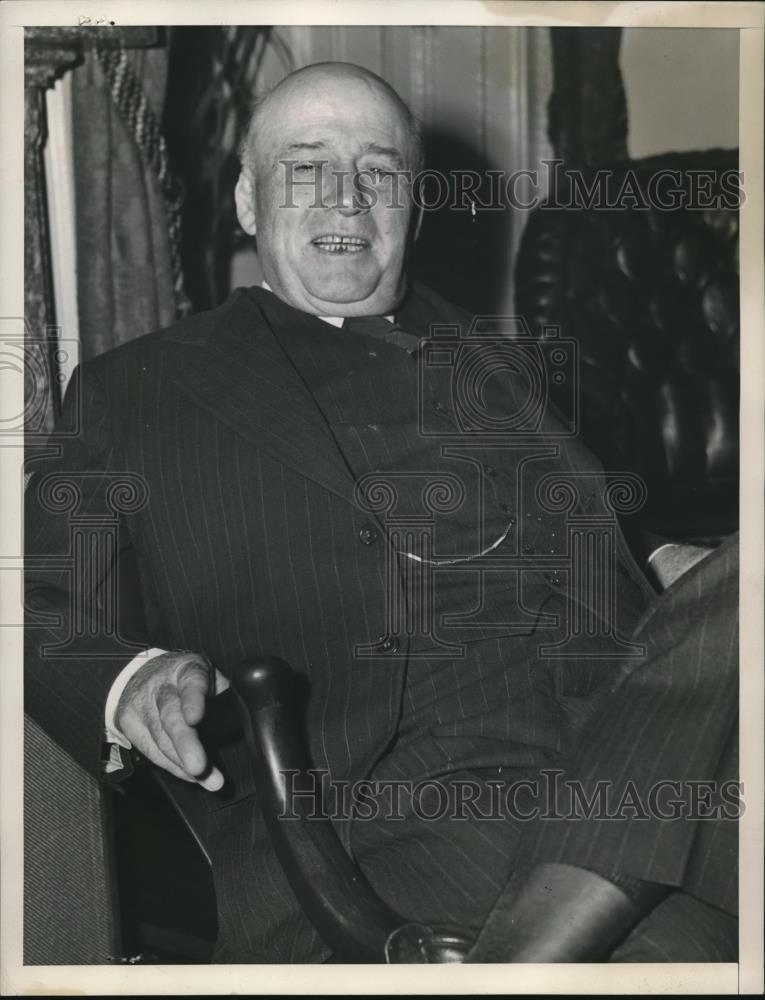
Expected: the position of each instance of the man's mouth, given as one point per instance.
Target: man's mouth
(340, 244)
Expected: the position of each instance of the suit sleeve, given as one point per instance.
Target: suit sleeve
(76, 541)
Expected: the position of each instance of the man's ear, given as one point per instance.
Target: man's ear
(244, 197)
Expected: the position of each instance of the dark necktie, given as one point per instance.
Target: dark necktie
(383, 329)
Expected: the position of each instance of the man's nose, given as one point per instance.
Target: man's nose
(346, 194)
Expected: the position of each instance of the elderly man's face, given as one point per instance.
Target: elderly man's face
(326, 246)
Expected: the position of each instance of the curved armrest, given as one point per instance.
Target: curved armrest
(336, 897)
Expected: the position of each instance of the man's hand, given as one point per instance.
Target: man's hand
(671, 561)
(161, 705)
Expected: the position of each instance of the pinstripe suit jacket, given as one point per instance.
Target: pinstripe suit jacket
(245, 526)
(242, 515)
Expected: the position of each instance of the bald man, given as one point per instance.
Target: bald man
(279, 446)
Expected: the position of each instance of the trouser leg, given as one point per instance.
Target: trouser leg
(448, 855)
(682, 929)
(259, 918)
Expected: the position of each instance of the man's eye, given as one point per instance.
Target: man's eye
(305, 167)
(378, 173)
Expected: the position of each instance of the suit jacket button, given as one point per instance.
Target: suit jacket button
(368, 534)
(389, 644)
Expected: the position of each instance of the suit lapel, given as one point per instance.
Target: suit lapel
(238, 372)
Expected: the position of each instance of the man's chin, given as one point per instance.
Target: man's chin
(341, 290)
(345, 298)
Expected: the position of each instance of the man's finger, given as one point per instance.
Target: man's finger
(185, 741)
(165, 744)
(183, 737)
(145, 744)
(193, 687)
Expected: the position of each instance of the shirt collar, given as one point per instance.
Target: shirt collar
(332, 320)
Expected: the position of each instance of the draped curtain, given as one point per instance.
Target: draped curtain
(127, 275)
(124, 270)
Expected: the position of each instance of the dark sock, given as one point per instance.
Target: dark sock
(561, 913)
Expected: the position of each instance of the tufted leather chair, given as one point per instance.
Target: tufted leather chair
(651, 294)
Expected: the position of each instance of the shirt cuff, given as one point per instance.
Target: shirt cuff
(113, 735)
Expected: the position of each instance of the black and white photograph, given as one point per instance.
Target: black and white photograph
(386, 446)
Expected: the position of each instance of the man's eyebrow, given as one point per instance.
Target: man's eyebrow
(391, 151)
(373, 147)
(295, 146)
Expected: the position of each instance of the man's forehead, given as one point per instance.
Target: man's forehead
(328, 131)
(334, 89)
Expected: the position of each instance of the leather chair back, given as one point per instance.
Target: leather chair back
(651, 293)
